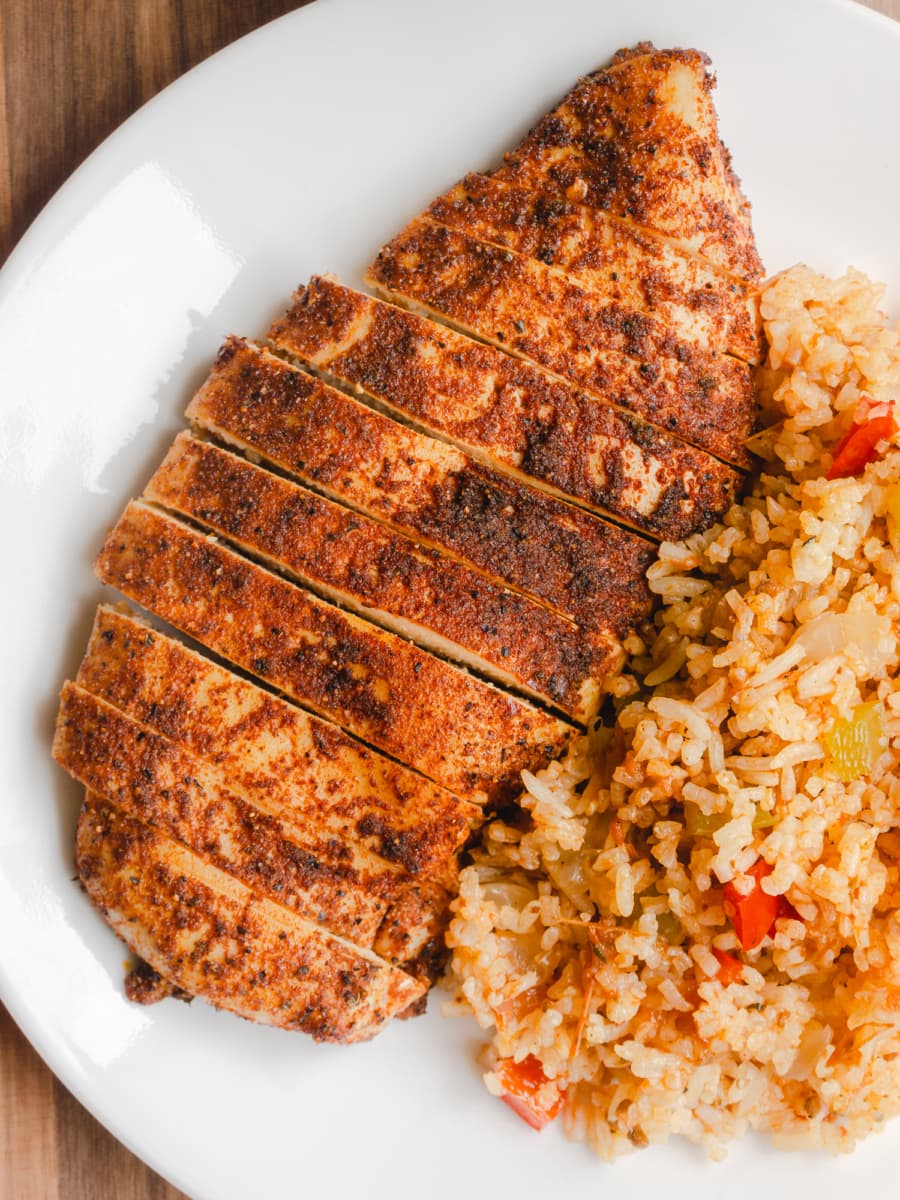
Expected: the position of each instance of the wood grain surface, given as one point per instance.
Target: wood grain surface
(71, 72)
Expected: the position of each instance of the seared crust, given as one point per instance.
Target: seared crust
(152, 779)
(522, 417)
(624, 358)
(610, 258)
(641, 141)
(364, 810)
(262, 858)
(436, 601)
(210, 935)
(455, 729)
(425, 488)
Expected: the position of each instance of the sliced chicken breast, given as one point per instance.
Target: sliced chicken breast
(536, 312)
(641, 141)
(382, 575)
(154, 780)
(583, 567)
(365, 810)
(460, 731)
(621, 262)
(512, 411)
(212, 936)
(432, 545)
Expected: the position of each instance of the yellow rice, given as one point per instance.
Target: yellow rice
(583, 932)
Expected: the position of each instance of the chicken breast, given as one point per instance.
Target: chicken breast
(507, 409)
(156, 781)
(209, 934)
(432, 545)
(511, 533)
(461, 732)
(623, 357)
(616, 260)
(432, 600)
(640, 141)
(364, 810)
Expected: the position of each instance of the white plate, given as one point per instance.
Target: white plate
(301, 149)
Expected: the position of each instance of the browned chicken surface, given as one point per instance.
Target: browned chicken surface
(522, 417)
(421, 549)
(461, 732)
(210, 935)
(150, 778)
(384, 576)
(425, 488)
(611, 258)
(625, 358)
(640, 140)
(364, 810)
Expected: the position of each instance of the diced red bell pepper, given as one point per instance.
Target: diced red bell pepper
(753, 915)
(786, 909)
(856, 449)
(729, 967)
(617, 831)
(521, 1082)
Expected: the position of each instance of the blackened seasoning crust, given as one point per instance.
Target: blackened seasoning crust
(610, 258)
(625, 358)
(385, 576)
(457, 730)
(641, 141)
(524, 419)
(210, 935)
(362, 808)
(431, 491)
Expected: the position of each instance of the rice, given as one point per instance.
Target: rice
(756, 746)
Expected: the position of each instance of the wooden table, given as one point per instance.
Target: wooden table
(72, 71)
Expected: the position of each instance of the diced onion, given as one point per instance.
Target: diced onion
(832, 633)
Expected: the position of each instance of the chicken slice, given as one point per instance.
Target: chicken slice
(624, 358)
(366, 810)
(210, 935)
(611, 258)
(152, 779)
(641, 141)
(461, 732)
(515, 412)
(358, 563)
(583, 567)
